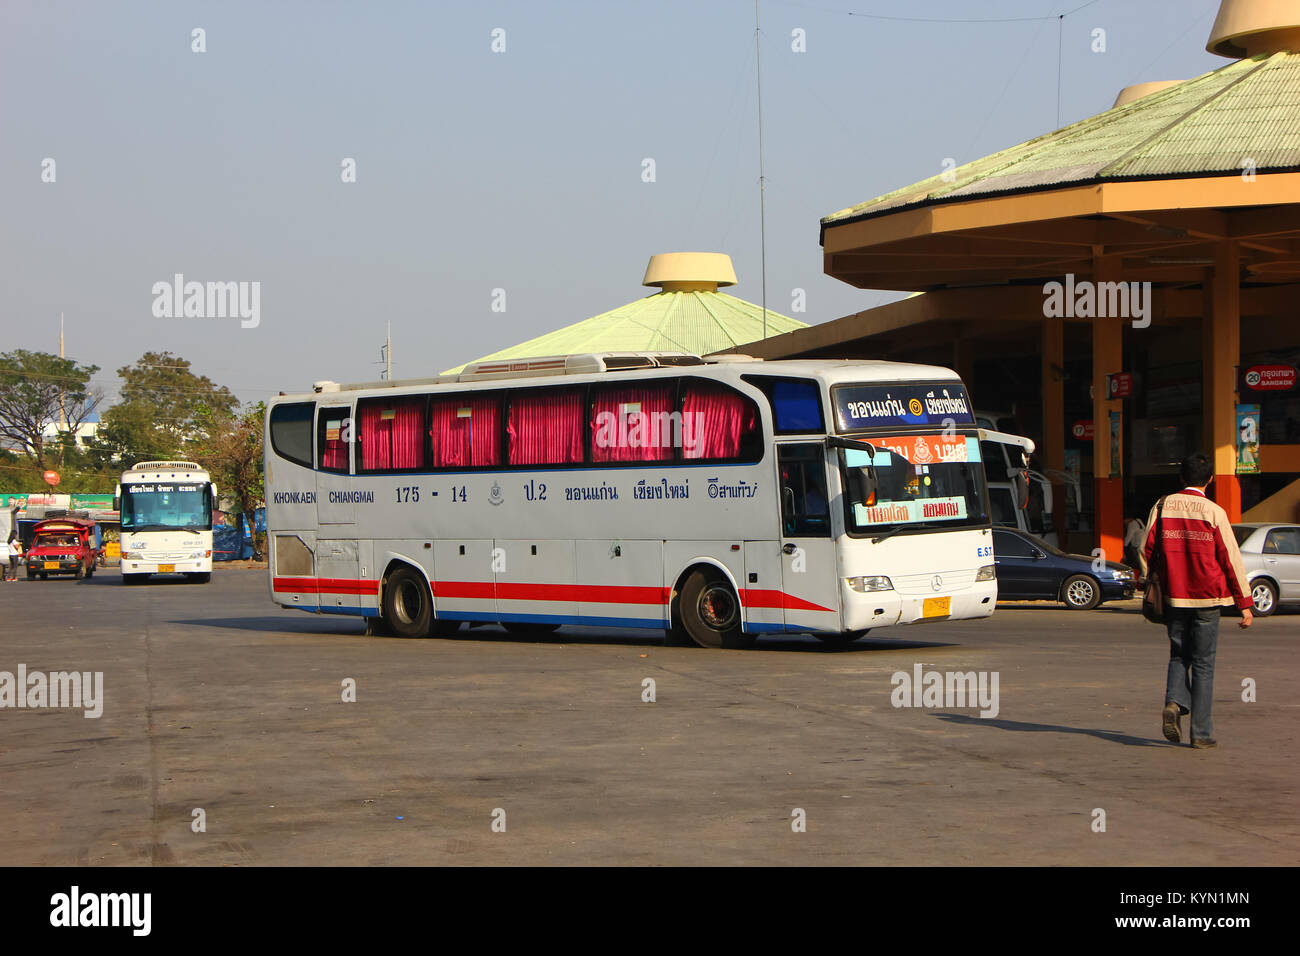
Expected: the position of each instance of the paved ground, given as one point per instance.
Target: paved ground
(217, 699)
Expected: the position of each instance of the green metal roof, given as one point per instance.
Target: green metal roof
(668, 321)
(1207, 126)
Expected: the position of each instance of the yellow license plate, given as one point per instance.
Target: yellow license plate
(937, 607)
(51, 565)
(170, 568)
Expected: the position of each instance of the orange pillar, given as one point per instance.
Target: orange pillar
(1220, 356)
(1053, 385)
(1107, 357)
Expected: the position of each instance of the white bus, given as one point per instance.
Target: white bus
(166, 512)
(719, 500)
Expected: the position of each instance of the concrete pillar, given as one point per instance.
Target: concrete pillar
(1107, 357)
(1220, 356)
(1053, 384)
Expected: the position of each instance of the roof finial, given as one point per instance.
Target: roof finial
(1254, 27)
(689, 271)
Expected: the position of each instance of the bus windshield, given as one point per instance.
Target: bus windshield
(167, 507)
(922, 481)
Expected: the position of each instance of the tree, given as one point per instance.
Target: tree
(37, 389)
(231, 451)
(164, 409)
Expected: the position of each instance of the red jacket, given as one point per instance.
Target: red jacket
(1201, 564)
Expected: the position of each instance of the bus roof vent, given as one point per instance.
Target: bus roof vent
(166, 466)
(580, 364)
(325, 385)
(731, 359)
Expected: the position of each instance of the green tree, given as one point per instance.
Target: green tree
(38, 389)
(231, 451)
(164, 409)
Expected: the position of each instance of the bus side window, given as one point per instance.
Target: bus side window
(331, 446)
(805, 511)
(291, 432)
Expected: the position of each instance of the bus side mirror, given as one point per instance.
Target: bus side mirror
(862, 485)
(1021, 484)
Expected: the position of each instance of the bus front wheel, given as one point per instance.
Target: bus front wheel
(408, 603)
(200, 577)
(710, 611)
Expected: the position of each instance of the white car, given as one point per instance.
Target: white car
(1271, 554)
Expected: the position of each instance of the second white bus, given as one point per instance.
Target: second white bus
(719, 500)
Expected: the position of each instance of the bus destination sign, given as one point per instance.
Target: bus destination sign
(873, 406)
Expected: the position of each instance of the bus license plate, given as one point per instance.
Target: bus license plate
(51, 565)
(171, 568)
(937, 607)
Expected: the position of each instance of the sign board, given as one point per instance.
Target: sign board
(1082, 430)
(873, 406)
(1270, 378)
(1248, 439)
(1119, 384)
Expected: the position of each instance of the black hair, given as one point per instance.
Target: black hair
(1197, 470)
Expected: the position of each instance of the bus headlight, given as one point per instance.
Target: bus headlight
(200, 554)
(863, 584)
(987, 573)
(132, 556)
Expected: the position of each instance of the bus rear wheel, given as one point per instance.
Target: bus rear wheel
(408, 603)
(710, 611)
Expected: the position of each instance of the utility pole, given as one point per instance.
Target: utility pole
(388, 354)
(762, 182)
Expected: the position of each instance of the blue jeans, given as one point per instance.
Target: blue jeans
(1193, 641)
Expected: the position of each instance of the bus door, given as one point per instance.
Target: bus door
(809, 572)
(338, 564)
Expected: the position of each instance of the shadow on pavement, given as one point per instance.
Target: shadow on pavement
(1017, 725)
(492, 634)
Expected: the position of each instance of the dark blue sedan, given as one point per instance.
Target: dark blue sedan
(1030, 569)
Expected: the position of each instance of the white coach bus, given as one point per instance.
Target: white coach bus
(716, 499)
(166, 512)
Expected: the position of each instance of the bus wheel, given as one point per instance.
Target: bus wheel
(710, 611)
(529, 627)
(408, 603)
(200, 577)
(841, 640)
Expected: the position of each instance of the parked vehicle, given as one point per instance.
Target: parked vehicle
(166, 509)
(64, 546)
(1030, 569)
(1271, 555)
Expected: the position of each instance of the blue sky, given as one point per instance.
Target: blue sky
(519, 170)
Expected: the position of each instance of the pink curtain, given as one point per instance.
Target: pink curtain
(715, 420)
(376, 448)
(632, 423)
(334, 453)
(392, 436)
(546, 427)
(464, 432)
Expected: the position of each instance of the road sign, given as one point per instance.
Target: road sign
(1269, 378)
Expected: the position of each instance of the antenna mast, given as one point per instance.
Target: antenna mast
(762, 181)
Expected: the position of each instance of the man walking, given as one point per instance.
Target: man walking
(1201, 572)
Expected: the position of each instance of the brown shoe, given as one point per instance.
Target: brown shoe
(1205, 743)
(1169, 721)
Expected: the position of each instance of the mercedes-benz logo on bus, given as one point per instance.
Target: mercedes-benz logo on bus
(936, 582)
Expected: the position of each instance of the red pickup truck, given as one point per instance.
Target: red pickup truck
(63, 546)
